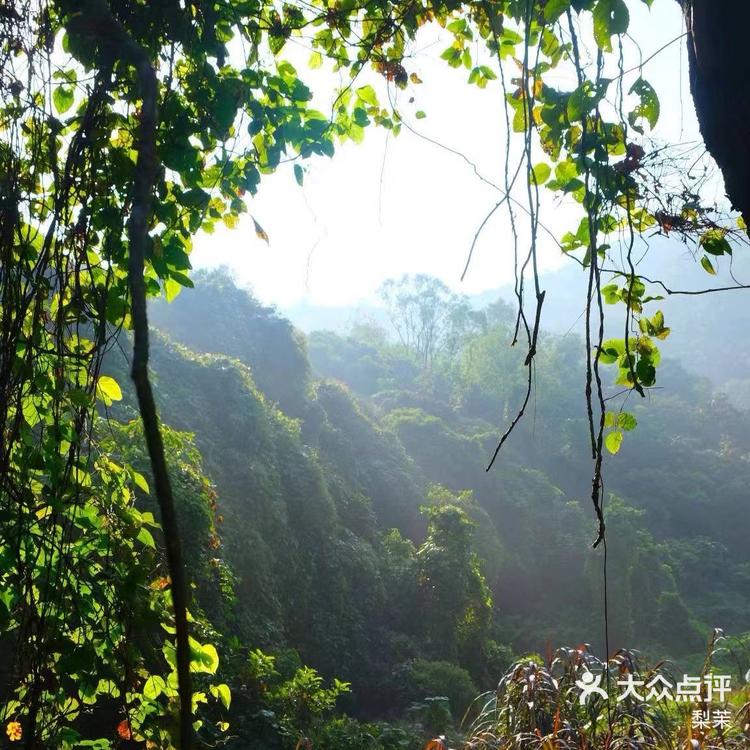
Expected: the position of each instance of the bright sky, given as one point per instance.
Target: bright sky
(391, 206)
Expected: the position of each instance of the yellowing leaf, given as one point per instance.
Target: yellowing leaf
(123, 730)
(14, 731)
(160, 583)
(260, 232)
(198, 697)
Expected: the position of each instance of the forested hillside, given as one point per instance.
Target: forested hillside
(356, 525)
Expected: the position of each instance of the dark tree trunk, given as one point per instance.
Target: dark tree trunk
(719, 54)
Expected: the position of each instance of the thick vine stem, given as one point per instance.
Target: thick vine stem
(97, 15)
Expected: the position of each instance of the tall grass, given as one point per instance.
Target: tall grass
(537, 706)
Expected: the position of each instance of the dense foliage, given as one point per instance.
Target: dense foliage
(675, 504)
(330, 555)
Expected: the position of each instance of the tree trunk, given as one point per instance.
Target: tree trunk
(719, 55)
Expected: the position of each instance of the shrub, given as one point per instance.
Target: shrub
(441, 678)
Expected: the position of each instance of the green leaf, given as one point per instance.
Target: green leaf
(63, 98)
(108, 688)
(541, 173)
(299, 174)
(171, 289)
(452, 56)
(203, 658)
(585, 98)
(195, 198)
(223, 693)
(170, 654)
(611, 351)
(181, 278)
(140, 481)
(30, 411)
(154, 687)
(613, 441)
(611, 294)
(87, 692)
(715, 243)
(108, 390)
(646, 372)
(554, 9)
(145, 537)
(626, 421)
(708, 267)
(367, 94)
(565, 172)
(480, 75)
(649, 107)
(276, 42)
(610, 17)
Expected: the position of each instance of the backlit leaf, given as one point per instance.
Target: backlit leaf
(223, 693)
(63, 98)
(613, 441)
(708, 266)
(108, 390)
(541, 173)
(610, 17)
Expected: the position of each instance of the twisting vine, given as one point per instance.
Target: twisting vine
(146, 169)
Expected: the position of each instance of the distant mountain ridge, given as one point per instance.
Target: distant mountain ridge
(714, 323)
